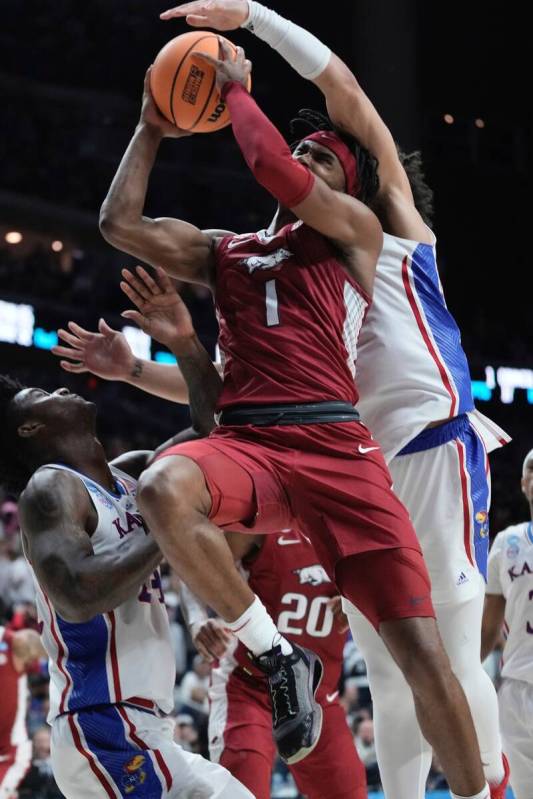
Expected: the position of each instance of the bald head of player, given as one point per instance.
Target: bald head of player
(41, 427)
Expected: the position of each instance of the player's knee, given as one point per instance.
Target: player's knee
(174, 485)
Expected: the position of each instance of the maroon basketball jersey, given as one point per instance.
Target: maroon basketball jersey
(14, 697)
(289, 317)
(288, 578)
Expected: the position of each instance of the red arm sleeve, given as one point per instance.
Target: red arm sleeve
(265, 150)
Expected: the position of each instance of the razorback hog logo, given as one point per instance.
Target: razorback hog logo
(269, 261)
(315, 575)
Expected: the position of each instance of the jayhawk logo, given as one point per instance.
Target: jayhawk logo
(482, 519)
(134, 775)
(315, 575)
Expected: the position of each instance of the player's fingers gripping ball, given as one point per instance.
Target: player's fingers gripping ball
(184, 86)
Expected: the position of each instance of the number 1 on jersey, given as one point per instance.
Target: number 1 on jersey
(271, 298)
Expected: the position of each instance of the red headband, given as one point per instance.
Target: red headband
(329, 139)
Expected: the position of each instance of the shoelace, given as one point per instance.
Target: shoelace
(283, 693)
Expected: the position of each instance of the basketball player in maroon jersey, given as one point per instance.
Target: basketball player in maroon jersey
(283, 570)
(289, 450)
(18, 650)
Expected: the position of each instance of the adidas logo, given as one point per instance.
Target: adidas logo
(462, 579)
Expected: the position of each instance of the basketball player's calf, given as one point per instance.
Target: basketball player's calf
(399, 606)
(175, 502)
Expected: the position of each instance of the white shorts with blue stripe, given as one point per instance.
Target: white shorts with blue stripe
(443, 479)
(121, 752)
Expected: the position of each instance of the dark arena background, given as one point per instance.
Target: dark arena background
(444, 75)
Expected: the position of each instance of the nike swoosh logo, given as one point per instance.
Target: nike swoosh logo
(332, 697)
(284, 542)
(236, 241)
(364, 450)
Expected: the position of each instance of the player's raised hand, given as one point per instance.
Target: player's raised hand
(161, 312)
(210, 638)
(106, 354)
(227, 68)
(152, 116)
(223, 15)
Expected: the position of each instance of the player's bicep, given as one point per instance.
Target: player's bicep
(55, 510)
(181, 249)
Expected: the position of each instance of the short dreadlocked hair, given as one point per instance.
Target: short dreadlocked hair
(14, 473)
(309, 121)
(422, 194)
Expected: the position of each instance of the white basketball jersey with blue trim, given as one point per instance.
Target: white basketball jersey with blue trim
(120, 655)
(511, 575)
(411, 368)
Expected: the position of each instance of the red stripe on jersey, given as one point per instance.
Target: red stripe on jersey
(136, 740)
(466, 506)
(138, 700)
(427, 339)
(114, 658)
(60, 656)
(102, 779)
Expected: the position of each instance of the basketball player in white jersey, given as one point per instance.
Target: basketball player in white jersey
(509, 604)
(415, 397)
(99, 599)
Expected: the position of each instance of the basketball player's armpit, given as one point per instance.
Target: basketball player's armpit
(265, 150)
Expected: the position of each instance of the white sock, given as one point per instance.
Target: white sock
(494, 775)
(484, 794)
(256, 630)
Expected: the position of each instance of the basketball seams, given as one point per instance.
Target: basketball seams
(175, 78)
(208, 100)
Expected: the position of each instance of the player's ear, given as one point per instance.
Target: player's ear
(523, 486)
(29, 429)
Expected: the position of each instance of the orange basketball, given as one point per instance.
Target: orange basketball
(184, 87)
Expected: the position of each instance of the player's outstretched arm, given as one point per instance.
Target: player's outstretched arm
(180, 248)
(348, 106)
(56, 518)
(162, 314)
(108, 355)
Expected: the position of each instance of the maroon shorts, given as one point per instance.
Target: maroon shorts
(329, 481)
(333, 770)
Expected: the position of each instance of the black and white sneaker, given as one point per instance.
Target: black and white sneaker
(293, 681)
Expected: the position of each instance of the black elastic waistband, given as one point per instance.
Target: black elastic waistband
(305, 413)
